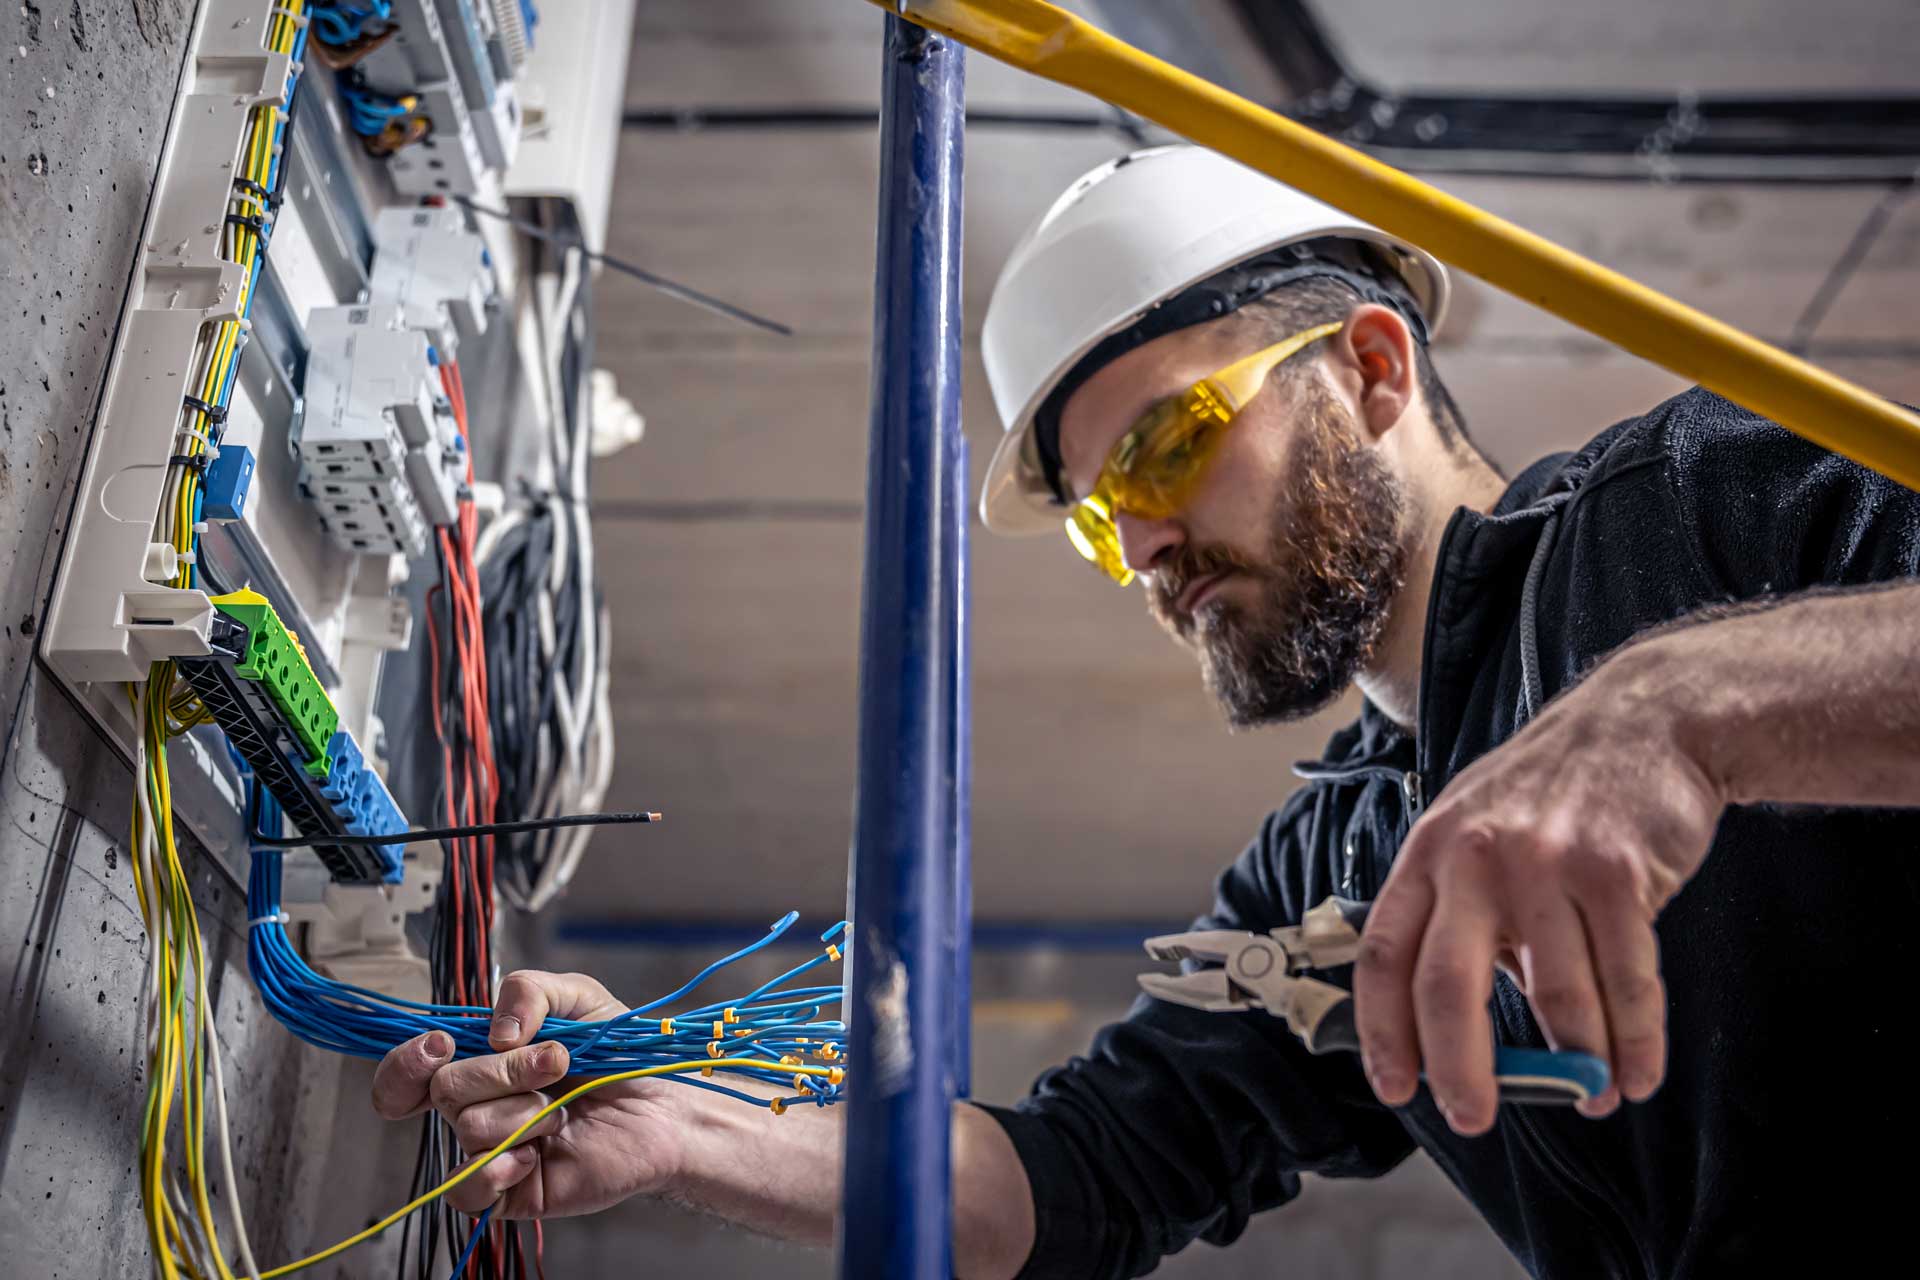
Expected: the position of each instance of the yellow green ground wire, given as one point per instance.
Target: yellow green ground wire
(177, 1062)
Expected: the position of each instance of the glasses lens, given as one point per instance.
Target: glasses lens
(1174, 442)
(1093, 535)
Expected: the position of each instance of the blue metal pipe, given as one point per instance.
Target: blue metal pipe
(955, 529)
(897, 1214)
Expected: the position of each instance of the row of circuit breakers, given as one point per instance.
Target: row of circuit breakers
(382, 461)
(381, 456)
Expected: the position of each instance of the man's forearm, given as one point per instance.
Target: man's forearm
(1815, 700)
(781, 1177)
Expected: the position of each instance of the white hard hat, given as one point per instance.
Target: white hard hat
(1122, 239)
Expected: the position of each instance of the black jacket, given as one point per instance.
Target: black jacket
(1790, 959)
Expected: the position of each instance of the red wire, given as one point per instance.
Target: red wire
(471, 785)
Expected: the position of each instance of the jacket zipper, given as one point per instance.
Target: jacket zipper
(1408, 780)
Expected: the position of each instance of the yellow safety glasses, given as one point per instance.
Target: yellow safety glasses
(1153, 469)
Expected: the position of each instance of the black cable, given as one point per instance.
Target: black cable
(1845, 265)
(209, 571)
(620, 818)
(671, 288)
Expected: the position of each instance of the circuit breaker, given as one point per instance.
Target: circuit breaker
(430, 265)
(370, 401)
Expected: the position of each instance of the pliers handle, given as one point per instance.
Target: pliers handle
(1265, 971)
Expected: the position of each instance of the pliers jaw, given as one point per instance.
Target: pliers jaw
(1265, 971)
(1256, 972)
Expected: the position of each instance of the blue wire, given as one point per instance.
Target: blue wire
(770, 1023)
(473, 1238)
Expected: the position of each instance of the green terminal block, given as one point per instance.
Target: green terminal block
(275, 660)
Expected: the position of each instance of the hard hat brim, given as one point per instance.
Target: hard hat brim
(1014, 499)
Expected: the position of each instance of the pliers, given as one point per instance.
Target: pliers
(1264, 971)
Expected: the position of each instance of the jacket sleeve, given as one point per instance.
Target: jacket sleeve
(1179, 1124)
(1773, 514)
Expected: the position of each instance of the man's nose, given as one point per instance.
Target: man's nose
(1143, 543)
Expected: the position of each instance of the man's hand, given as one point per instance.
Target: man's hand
(617, 1141)
(1549, 857)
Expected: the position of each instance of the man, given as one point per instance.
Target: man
(1602, 701)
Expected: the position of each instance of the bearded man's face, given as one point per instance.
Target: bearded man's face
(1291, 551)
(1286, 628)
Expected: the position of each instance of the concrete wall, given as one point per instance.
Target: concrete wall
(84, 90)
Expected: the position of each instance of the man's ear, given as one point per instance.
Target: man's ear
(1377, 347)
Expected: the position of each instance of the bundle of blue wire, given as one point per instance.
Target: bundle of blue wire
(369, 112)
(770, 1022)
(343, 24)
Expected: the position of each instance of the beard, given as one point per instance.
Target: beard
(1333, 563)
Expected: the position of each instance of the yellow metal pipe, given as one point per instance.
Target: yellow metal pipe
(1055, 45)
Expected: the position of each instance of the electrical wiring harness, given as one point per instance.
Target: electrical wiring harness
(764, 1033)
(773, 1047)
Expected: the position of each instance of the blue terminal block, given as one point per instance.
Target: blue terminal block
(229, 479)
(362, 803)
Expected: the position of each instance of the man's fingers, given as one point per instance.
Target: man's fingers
(528, 997)
(498, 1075)
(402, 1081)
(1626, 959)
(1383, 985)
(1556, 968)
(494, 1179)
(1452, 981)
(519, 1008)
(485, 1125)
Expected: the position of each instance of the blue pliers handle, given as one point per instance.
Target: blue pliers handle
(1269, 971)
(1527, 1077)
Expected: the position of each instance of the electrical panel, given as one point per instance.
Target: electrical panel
(284, 445)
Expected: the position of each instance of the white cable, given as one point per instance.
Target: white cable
(572, 746)
(599, 773)
(226, 1137)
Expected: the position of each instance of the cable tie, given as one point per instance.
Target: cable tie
(258, 223)
(215, 413)
(297, 19)
(197, 461)
(278, 917)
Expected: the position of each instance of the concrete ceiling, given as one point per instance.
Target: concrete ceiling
(1762, 47)
(730, 542)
